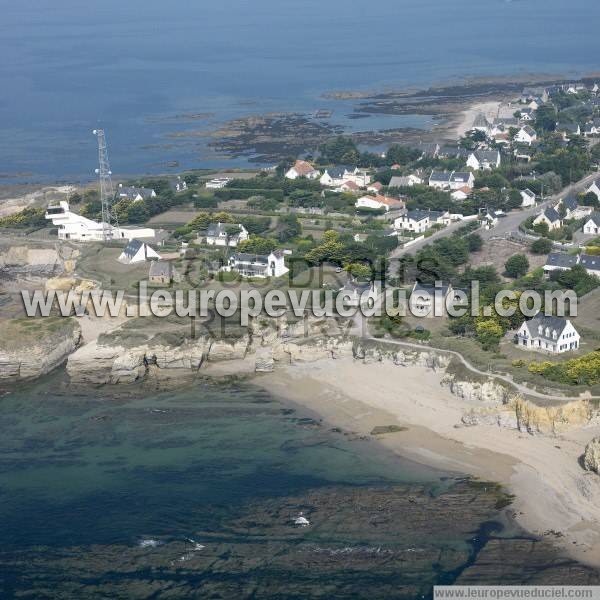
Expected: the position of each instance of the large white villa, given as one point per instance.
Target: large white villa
(257, 265)
(72, 226)
(554, 335)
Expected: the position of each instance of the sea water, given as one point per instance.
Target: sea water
(142, 68)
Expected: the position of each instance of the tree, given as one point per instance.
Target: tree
(288, 227)
(541, 246)
(545, 118)
(489, 332)
(517, 266)
(358, 270)
(475, 242)
(257, 245)
(339, 150)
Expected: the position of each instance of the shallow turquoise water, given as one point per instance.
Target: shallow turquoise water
(85, 477)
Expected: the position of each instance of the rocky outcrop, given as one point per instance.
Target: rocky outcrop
(100, 362)
(487, 391)
(36, 352)
(591, 458)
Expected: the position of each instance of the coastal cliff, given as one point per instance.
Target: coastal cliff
(30, 348)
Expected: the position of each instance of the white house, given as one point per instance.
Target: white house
(572, 208)
(454, 180)
(592, 225)
(347, 186)
(137, 251)
(72, 226)
(416, 220)
(379, 202)
(338, 175)
(217, 183)
(594, 188)
(440, 180)
(526, 135)
(568, 129)
(302, 168)
(550, 217)
(484, 160)
(432, 300)
(407, 181)
(258, 265)
(490, 218)
(136, 194)
(225, 234)
(527, 198)
(558, 261)
(375, 187)
(178, 184)
(461, 194)
(554, 335)
(460, 180)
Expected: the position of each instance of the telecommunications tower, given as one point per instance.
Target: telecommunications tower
(107, 193)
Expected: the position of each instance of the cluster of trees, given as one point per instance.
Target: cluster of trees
(439, 261)
(254, 225)
(488, 330)
(584, 370)
(27, 218)
(341, 249)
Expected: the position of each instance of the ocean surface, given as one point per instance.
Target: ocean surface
(142, 68)
(134, 492)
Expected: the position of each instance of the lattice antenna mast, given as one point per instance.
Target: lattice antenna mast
(107, 193)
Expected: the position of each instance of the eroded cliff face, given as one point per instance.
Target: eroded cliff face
(28, 351)
(266, 346)
(494, 403)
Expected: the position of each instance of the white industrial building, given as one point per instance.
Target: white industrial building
(72, 226)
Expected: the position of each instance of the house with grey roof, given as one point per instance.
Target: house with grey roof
(161, 272)
(178, 184)
(225, 234)
(433, 300)
(592, 225)
(453, 180)
(407, 181)
(568, 129)
(526, 135)
(136, 194)
(559, 261)
(417, 221)
(440, 179)
(549, 216)
(591, 264)
(554, 335)
(257, 265)
(484, 160)
(527, 198)
(137, 251)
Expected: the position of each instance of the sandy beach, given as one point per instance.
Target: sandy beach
(554, 496)
(465, 121)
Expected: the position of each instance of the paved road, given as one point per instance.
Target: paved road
(442, 233)
(510, 223)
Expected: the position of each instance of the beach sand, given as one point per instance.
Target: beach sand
(465, 121)
(555, 497)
